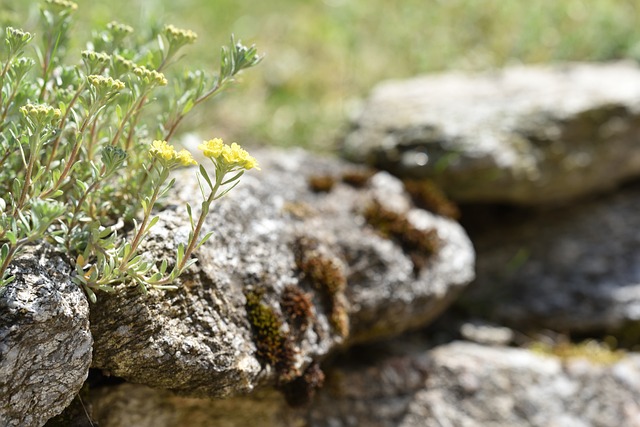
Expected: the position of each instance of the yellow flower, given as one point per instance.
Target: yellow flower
(212, 148)
(232, 156)
(162, 150)
(185, 158)
(239, 156)
(167, 153)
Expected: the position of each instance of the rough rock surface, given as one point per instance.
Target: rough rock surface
(408, 384)
(526, 135)
(464, 384)
(45, 343)
(574, 269)
(292, 248)
(141, 406)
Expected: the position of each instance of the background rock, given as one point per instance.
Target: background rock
(141, 406)
(526, 135)
(45, 343)
(573, 269)
(407, 383)
(293, 229)
(463, 384)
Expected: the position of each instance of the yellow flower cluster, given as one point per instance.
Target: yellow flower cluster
(105, 83)
(232, 155)
(179, 36)
(39, 113)
(164, 151)
(150, 76)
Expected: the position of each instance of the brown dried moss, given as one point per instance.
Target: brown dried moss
(357, 178)
(321, 183)
(418, 244)
(427, 195)
(297, 307)
(327, 277)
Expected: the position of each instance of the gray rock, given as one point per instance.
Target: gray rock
(573, 269)
(45, 343)
(464, 384)
(526, 134)
(409, 384)
(284, 248)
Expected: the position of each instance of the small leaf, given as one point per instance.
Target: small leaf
(180, 254)
(153, 222)
(10, 235)
(90, 294)
(190, 216)
(237, 176)
(205, 175)
(188, 106)
(163, 266)
(205, 238)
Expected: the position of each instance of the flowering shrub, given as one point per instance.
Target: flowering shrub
(83, 159)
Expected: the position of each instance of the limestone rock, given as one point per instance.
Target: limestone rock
(407, 383)
(526, 134)
(464, 384)
(294, 270)
(573, 269)
(45, 343)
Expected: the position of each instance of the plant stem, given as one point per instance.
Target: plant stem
(142, 229)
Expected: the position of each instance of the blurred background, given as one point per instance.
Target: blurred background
(323, 57)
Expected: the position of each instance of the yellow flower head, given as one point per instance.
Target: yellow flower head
(185, 159)
(212, 148)
(162, 150)
(232, 156)
(166, 153)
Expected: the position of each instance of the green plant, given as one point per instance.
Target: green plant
(84, 152)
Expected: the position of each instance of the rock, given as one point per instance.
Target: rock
(301, 263)
(406, 383)
(141, 406)
(45, 343)
(464, 384)
(572, 269)
(527, 135)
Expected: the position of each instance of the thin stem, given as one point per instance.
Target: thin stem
(34, 145)
(5, 157)
(5, 69)
(176, 122)
(72, 157)
(198, 227)
(7, 260)
(196, 231)
(63, 120)
(135, 107)
(142, 229)
(76, 210)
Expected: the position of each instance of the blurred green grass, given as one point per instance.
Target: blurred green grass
(323, 57)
